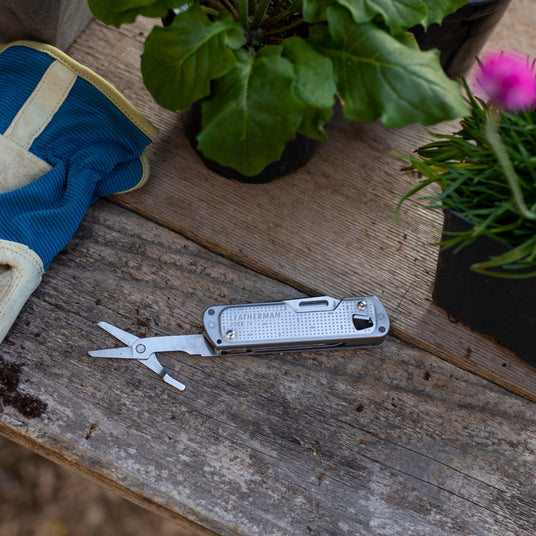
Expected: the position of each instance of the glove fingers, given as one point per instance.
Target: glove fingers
(37, 195)
(18, 167)
(45, 214)
(57, 202)
(125, 177)
(20, 274)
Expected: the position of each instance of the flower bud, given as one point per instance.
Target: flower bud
(508, 80)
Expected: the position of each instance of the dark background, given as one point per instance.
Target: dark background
(40, 498)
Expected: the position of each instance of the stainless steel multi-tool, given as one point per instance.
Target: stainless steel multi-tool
(306, 324)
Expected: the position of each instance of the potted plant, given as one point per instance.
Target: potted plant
(266, 70)
(461, 35)
(485, 179)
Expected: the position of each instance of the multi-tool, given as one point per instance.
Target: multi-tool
(296, 325)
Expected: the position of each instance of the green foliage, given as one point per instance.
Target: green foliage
(472, 182)
(358, 52)
(117, 12)
(180, 61)
(314, 85)
(398, 83)
(436, 10)
(402, 14)
(253, 106)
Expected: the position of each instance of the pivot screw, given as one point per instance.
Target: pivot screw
(230, 334)
(362, 305)
(140, 348)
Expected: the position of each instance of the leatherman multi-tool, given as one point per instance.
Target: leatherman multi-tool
(296, 325)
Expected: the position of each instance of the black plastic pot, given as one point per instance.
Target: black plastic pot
(461, 35)
(296, 154)
(501, 308)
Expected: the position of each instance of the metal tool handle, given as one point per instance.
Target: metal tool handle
(301, 324)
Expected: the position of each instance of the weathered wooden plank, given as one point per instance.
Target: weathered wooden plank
(385, 441)
(329, 227)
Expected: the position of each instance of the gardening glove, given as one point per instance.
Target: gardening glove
(67, 137)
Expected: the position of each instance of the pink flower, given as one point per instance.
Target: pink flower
(508, 80)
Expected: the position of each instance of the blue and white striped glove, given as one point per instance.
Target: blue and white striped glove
(67, 137)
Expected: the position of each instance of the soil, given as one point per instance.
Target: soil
(40, 498)
(25, 404)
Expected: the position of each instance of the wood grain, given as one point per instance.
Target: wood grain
(328, 228)
(385, 441)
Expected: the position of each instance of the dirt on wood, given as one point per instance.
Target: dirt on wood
(25, 404)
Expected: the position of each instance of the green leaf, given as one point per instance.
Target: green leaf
(394, 13)
(437, 10)
(180, 61)
(381, 76)
(314, 85)
(117, 12)
(316, 10)
(253, 112)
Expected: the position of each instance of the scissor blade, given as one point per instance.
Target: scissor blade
(117, 353)
(155, 365)
(173, 382)
(124, 336)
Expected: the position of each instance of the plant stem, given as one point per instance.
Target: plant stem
(280, 5)
(230, 7)
(491, 130)
(216, 4)
(294, 6)
(243, 7)
(275, 31)
(260, 12)
(210, 10)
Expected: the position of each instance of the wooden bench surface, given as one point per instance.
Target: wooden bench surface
(402, 439)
